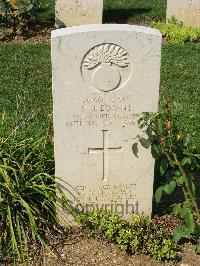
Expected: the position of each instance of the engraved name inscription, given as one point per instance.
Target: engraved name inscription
(96, 111)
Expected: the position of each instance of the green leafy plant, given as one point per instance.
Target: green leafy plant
(29, 196)
(140, 235)
(16, 14)
(174, 152)
(175, 32)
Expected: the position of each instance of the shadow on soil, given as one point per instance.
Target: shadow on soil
(167, 201)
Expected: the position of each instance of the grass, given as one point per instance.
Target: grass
(118, 11)
(28, 197)
(26, 96)
(47, 10)
(180, 86)
(25, 87)
(132, 11)
(26, 93)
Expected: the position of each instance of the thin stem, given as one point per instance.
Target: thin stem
(187, 185)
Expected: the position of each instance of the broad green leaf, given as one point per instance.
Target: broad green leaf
(135, 149)
(149, 131)
(156, 148)
(145, 143)
(159, 126)
(186, 160)
(181, 232)
(196, 249)
(189, 220)
(169, 188)
(180, 180)
(183, 212)
(197, 230)
(163, 166)
(158, 194)
(140, 121)
(192, 186)
(177, 173)
(171, 164)
(197, 155)
(176, 209)
(155, 151)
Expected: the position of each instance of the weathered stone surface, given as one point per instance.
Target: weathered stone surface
(103, 76)
(78, 12)
(187, 11)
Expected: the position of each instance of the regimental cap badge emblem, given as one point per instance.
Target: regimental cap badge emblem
(103, 66)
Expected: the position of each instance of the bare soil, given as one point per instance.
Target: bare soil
(79, 250)
(40, 34)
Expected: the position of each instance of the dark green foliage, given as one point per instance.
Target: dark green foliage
(27, 185)
(46, 10)
(140, 235)
(17, 14)
(174, 152)
(28, 197)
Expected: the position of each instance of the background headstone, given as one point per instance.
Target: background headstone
(78, 12)
(103, 76)
(187, 11)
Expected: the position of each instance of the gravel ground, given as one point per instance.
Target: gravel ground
(76, 249)
(96, 252)
(33, 36)
(36, 35)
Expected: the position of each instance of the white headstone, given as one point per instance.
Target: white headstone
(187, 11)
(78, 12)
(103, 76)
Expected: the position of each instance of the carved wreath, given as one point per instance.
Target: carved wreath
(107, 54)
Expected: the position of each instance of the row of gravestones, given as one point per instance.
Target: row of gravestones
(104, 77)
(79, 12)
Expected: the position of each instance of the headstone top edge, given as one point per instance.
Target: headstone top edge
(104, 27)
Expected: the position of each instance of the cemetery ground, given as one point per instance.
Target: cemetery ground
(26, 106)
(125, 11)
(26, 102)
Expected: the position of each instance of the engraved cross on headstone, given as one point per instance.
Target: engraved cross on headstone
(105, 151)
